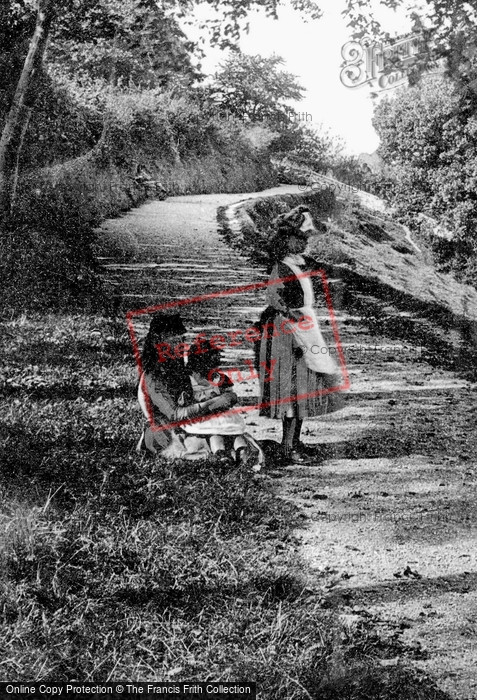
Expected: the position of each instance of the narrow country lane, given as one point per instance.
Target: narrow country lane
(389, 524)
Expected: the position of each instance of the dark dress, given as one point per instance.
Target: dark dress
(286, 379)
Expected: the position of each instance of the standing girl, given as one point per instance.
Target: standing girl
(305, 377)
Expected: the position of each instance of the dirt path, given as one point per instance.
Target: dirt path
(389, 514)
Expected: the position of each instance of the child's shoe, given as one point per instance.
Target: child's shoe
(247, 459)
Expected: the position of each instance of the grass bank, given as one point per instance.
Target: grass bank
(116, 567)
(376, 267)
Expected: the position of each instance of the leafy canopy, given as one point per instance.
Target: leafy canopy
(253, 88)
(138, 42)
(124, 43)
(429, 136)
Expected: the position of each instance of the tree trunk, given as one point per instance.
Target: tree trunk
(10, 141)
(13, 189)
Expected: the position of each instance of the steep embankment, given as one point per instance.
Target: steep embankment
(385, 275)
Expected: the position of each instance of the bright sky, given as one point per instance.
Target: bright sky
(312, 51)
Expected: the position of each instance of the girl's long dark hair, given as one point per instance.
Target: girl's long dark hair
(173, 373)
(150, 362)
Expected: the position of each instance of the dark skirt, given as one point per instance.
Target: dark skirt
(284, 377)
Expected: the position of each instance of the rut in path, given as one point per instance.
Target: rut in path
(390, 530)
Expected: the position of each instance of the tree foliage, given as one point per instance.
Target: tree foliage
(134, 41)
(232, 20)
(142, 39)
(124, 43)
(428, 133)
(309, 147)
(253, 88)
(429, 136)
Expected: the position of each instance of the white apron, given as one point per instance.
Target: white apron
(316, 355)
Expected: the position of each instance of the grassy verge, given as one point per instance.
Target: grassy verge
(116, 567)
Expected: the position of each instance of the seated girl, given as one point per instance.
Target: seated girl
(166, 398)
